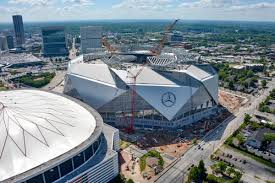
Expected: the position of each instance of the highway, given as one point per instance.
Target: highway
(211, 142)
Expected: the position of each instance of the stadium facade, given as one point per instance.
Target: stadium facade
(47, 137)
(165, 98)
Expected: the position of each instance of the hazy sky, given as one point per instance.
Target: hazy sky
(48, 10)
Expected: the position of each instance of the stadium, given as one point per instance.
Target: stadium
(166, 92)
(47, 137)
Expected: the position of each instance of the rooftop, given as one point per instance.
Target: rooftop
(20, 58)
(38, 126)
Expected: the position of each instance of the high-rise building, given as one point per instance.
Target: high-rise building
(90, 37)
(10, 42)
(18, 30)
(54, 41)
(3, 43)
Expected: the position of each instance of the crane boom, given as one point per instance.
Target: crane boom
(108, 45)
(157, 50)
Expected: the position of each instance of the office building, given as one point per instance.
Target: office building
(10, 41)
(54, 138)
(54, 42)
(18, 30)
(3, 43)
(175, 37)
(90, 38)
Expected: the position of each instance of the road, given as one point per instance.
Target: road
(57, 80)
(211, 142)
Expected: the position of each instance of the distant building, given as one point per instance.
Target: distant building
(18, 30)
(54, 42)
(19, 60)
(3, 43)
(10, 42)
(257, 137)
(238, 68)
(255, 67)
(271, 147)
(90, 37)
(175, 37)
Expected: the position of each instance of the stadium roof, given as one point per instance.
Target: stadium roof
(36, 127)
(20, 58)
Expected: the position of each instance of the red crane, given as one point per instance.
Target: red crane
(130, 129)
(109, 47)
(157, 50)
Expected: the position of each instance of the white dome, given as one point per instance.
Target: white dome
(36, 127)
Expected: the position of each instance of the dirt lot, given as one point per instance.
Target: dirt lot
(171, 144)
(130, 169)
(230, 101)
(175, 150)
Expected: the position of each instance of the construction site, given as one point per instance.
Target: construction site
(160, 88)
(146, 90)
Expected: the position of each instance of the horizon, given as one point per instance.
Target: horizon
(87, 10)
(140, 20)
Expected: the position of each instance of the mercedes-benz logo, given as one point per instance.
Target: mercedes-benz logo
(168, 99)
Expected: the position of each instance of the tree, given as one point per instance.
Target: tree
(263, 82)
(230, 171)
(220, 167)
(202, 170)
(194, 174)
(241, 138)
(118, 179)
(130, 181)
(231, 85)
(237, 177)
(247, 118)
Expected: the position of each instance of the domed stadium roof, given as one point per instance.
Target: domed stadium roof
(38, 126)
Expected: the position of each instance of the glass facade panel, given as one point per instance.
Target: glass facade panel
(51, 175)
(78, 160)
(66, 167)
(89, 153)
(35, 179)
(54, 41)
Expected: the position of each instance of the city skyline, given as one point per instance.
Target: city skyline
(38, 10)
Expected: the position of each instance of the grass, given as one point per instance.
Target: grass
(152, 153)
(36, 81)
(124, 144)
(269, 136)
(256, 158)
(3, 88)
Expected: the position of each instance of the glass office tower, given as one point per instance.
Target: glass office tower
(54, 42)
(18, 30)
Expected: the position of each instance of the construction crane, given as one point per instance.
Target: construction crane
(157, 50)
(109, 47)
(130, 129)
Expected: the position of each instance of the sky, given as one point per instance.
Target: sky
(59, 10)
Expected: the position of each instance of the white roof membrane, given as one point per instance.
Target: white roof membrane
(36, 127)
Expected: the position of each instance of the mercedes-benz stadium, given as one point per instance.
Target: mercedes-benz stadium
(167, 94)
(47, 137)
